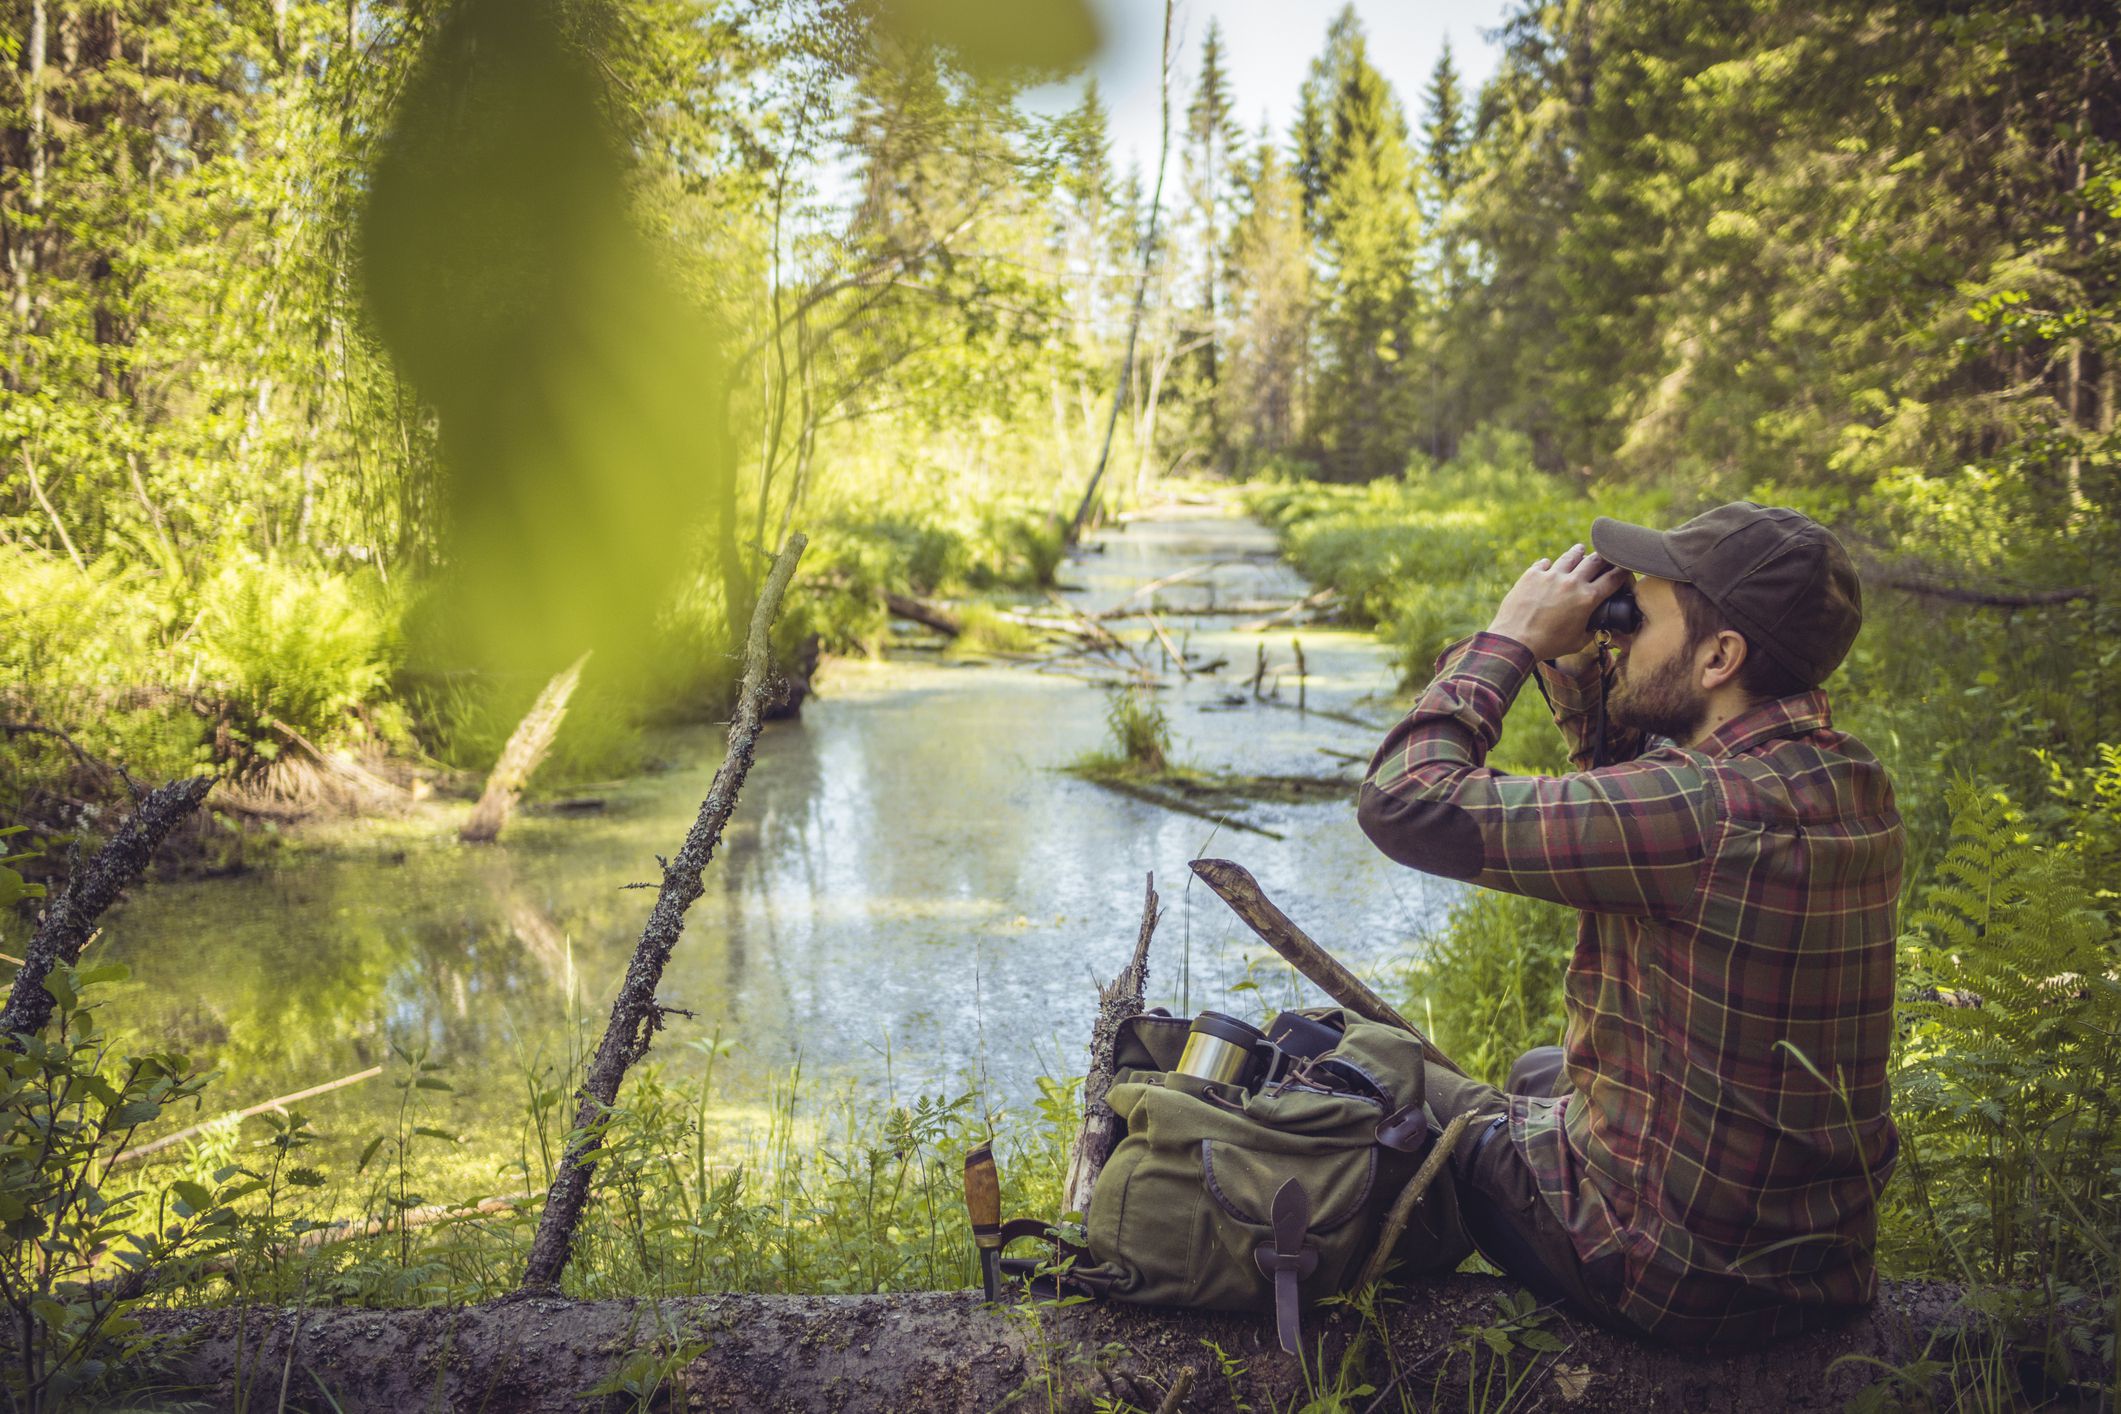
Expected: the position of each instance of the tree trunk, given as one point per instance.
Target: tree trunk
(945, 1351)
(1141, 292)
(520, 759)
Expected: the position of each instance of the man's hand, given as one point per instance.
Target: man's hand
(1547, 610)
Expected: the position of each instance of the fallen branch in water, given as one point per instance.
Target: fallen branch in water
(1151, 796)
(520, 759)
(924, 613)
(1326, 598)
(1170, 648)
(635, 1014)
(281, 1102)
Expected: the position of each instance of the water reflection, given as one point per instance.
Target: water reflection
(910, 894)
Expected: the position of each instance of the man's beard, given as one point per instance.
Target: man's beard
(1663, 703)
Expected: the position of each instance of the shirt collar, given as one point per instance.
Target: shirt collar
(1784, 716)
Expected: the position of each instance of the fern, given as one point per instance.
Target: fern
(2010, 1074)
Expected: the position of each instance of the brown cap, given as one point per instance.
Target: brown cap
(1779, 576)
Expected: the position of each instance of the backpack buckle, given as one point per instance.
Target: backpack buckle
(1286, 1260)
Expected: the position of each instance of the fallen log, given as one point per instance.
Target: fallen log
(946, 1351)
(927, 615)
(527, 747)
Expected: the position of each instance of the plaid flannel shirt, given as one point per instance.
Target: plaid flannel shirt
(1730, 996)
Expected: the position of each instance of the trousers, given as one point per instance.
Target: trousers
(1498, 1194)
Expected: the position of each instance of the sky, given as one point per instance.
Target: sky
(1267, 45)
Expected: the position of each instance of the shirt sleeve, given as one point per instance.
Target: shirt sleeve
(1572, 696)
(1625, 839)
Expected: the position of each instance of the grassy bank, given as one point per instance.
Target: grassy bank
(252, 667)
(1998, 725)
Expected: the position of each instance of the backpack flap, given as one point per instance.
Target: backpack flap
(1149, 1041)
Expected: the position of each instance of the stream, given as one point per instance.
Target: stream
(913, 898)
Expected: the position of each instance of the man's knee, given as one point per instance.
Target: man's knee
(1449, 1094)
(1539, 1071)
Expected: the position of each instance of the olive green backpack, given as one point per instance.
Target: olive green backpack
(1236, 1200)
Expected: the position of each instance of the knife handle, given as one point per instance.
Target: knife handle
(983, 1196)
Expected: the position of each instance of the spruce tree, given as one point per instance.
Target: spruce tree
(1363, 417)
(1211, 142)
(1264, 385)
(1314, 135)
(1443, 128)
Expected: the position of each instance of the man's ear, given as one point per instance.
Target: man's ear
(1726, 655)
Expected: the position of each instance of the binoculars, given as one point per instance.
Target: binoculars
(1619, 614)
(1227, 1051)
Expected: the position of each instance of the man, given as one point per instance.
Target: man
(1699, 1160)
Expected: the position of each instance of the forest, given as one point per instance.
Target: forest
(412, 409)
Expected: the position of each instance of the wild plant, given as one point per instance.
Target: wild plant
(81, 1242)
(2008, 1087)
(1140, 732)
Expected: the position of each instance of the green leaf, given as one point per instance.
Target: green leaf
(133, 1113)
(369, 1153)
(61, 988)
(192, 1195)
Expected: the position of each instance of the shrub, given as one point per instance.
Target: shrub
(1141, 733)
(2009, 1081)
(283, 643)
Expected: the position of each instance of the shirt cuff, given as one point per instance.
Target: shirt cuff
(1571, 692)
(1502, 663)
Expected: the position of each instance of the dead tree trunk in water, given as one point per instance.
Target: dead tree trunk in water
(71, 915)
(1116, 1001)
(636, 1015)
(1141, 291)
(525, 752)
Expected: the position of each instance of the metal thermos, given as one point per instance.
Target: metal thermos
(1219, 1048)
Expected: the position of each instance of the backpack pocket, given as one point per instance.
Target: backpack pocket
(1333, 1162)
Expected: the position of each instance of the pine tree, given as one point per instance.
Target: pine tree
(1314, 135)
(1089, 231)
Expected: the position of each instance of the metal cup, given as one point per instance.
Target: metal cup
(1219, 1048)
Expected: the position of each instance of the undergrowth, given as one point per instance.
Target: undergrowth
(1999, 731)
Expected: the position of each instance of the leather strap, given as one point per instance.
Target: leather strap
(1286, 1260)
(1405, 1129)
